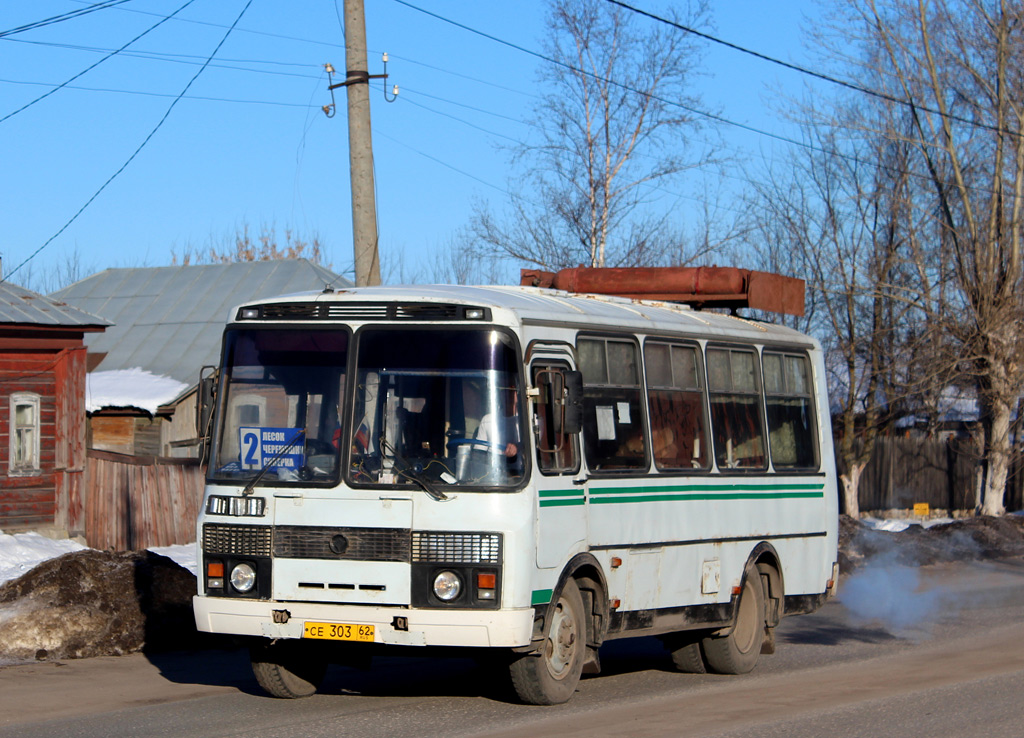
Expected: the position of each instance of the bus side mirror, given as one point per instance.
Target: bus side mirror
(205, 399)
(573, 422)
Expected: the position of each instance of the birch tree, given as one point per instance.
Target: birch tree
(611, 128)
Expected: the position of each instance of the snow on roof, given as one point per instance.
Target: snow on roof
(130, 388)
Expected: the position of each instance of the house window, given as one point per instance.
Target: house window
(24, 435)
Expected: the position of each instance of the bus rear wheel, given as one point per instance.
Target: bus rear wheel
(550, 678)
(285, 669)
(737, 652)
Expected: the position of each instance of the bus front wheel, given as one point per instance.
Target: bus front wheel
(737, 652)
(550, 678)
(285, 669)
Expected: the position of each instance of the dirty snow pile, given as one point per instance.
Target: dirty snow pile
(59, 599)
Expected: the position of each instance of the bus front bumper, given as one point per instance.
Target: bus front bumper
(405, 627)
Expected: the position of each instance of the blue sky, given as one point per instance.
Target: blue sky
(248, 144)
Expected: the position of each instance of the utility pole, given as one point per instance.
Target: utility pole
(360, 147)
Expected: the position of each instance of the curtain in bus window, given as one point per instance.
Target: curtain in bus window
(735, 399)
(676, 402)
(613, 435)
(790, 408)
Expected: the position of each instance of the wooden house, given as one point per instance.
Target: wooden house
(42, 412)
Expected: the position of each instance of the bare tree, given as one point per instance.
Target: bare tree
(838, 217)
(243, 246)
(610, 130)
(956, 65)
(58, 275)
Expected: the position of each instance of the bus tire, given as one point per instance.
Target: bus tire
(286, 671)
(550, 678)
(687, 656)
(737, 652)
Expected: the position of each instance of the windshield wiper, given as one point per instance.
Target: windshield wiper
(409, 471)
(250, 487)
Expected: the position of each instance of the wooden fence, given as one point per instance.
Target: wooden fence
(134, 502)
(905, 471)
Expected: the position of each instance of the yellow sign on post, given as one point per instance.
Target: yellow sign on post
(921, 509)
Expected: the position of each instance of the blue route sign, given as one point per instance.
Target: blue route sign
(260, 445)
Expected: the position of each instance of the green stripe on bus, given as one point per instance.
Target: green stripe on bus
(560, 493)
(541, 596)
(562, 503)
(723, 496)
(748, 487)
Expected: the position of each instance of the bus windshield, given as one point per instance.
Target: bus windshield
(281, 409)
(436, 409)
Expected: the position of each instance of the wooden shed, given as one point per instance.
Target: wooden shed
(42, 412)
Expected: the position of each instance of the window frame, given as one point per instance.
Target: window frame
(757, 394)
(701, 389)
(809, 396)
(31, 466)
(595, 464)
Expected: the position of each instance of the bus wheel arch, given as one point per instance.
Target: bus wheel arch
(766, 560)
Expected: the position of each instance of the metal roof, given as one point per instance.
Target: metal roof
(24, 307)
(169, 320)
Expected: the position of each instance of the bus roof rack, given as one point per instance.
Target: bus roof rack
(699, 287)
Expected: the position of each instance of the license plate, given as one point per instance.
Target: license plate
(338, 632)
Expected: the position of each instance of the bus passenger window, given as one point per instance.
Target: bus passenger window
(675, 396)
(790, 406)
(735, 397)
(613, 432)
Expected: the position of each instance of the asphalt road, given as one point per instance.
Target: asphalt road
(942, 656)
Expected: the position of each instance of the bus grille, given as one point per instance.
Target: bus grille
(456, 548)
(357, 544)
(237, 540)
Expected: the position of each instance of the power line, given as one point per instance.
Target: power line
(62, 17)
(239, 30)
(134, 153)
(696, 111)
(606, 80)
(810, 72)
(147, 93)
(26, 106)
(167, 56)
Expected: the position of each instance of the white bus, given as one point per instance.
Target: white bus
(521, 469)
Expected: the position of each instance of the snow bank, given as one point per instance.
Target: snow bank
(130, 388)
(22, 552)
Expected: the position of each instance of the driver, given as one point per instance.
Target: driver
(501, 429)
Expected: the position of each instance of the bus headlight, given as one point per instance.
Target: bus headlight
(243, 577)
(447, 586)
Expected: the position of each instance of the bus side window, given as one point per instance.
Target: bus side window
(790, 406)
(735, 396)
(613, 418)
(557, 448)
(675, 396)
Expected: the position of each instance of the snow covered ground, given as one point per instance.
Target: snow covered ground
(21, 552)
